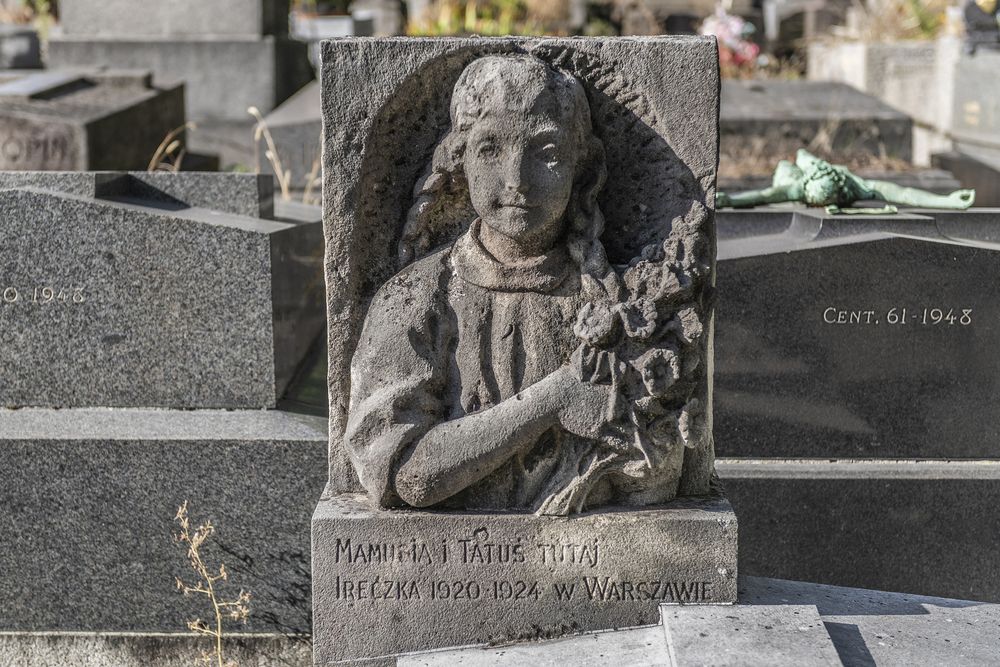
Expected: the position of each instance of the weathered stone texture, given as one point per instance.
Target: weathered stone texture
(397, 581)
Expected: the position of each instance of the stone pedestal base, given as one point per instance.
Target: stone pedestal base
(392, 582)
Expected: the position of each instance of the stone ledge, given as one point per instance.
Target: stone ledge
(392, 582)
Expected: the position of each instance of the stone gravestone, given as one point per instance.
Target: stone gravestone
(133, 308)
(520, 249)
(210, 46)
(85, 119)
(856, 359)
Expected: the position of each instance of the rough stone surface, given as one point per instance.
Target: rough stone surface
(135, 302)
(296, 126)
(19, 47)
(814, 357)
(85, 119)
(152, 18)
(653, 104)
(219, 92)
(747, 636)
(917, 527)
(399, 581)
(89, 497)
(544, 345)
(770, 120)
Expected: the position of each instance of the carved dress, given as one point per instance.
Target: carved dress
(454, 333)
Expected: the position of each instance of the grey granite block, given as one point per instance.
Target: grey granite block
(85, 119)
(214, 70)
(917, 527)
(19, 47)
(138, 302)
(399, 581)
(250, 195)
(47, 649)
(779, 635)
(89, 498)
(770, 120)
(177, 18)
(857, 336)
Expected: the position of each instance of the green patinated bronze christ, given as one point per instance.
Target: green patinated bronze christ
(816, 182)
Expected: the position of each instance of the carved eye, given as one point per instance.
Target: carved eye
(488, 150)
(549, 154)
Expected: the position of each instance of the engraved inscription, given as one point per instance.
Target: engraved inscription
(477, 555)
(898, 316)
(26, 146)
(42, 295)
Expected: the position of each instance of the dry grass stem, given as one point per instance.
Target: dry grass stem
(283, 176)
(167, 147)
(237, 609)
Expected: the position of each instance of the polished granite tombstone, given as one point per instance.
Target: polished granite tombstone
(85, 119)
(855, 360)
(168, 294)
(138, 294)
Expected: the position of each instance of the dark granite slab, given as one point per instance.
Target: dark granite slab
(924, 527)
(146, 301)
(858, 336)
(89, 497)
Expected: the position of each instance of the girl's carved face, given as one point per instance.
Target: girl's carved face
(520, 163)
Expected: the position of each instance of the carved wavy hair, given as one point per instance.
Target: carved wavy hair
(442, 206)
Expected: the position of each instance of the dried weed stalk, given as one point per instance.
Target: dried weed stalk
(170, 153)
(237, 609)
(283, 176)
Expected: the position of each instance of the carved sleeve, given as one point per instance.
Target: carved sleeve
(397, 375)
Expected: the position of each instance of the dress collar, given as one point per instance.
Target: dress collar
(474, 264)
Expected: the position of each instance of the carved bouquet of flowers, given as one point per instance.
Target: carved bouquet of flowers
(647, 342)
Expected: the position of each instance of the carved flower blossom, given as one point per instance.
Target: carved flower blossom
(595, 323)
(660, 369)
(639, 317)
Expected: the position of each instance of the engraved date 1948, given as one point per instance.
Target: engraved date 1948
(899, 316)
(42, 295)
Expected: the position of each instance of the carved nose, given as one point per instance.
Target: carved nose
(514, 177)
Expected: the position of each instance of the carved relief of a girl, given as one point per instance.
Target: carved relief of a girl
(483, 378)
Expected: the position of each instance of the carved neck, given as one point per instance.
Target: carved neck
(517, 251)
(474, 263)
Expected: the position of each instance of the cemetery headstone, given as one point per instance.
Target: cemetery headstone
(520, 249)
(167, 303)
(85, 119)
(132, 305)
(855, 360)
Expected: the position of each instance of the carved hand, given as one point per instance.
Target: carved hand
(582, 408)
